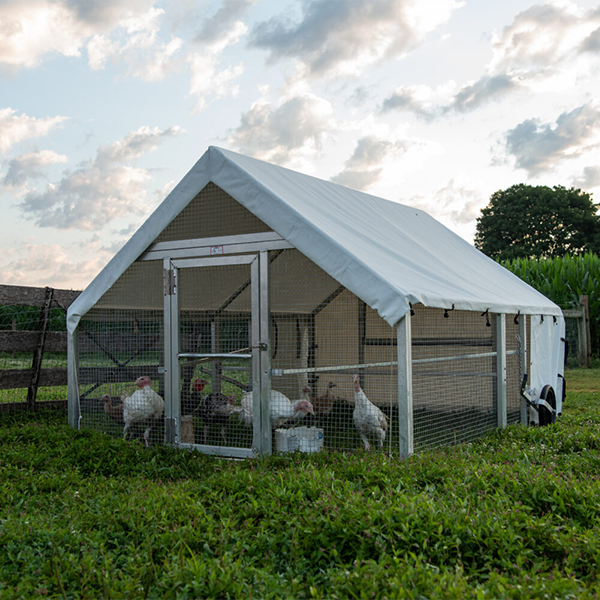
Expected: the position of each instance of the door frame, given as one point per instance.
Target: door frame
(261, 372)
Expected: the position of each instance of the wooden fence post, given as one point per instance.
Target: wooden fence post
(14, 341)
(38, 355)
(583, 301)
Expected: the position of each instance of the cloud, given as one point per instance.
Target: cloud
(592, 42)
(30, 166)
(418, 99)
(543, 42)
(343, 38)
(127, 36)
(112, 248)
(32, 31)
(360, 95)
(50, 264)
(135, 42)
(135, 144)
(590, 178)
(149, 60)
(365, 166)
(100, 49)
(104, 14)
(281, 133)
(457, 203)
(219, 24)
(161, 193)
(100, 190)
(210, 82)
(473, 95)
(539, 147)
(429, 103)
(15, 129)
(543, 35)
(127, 231)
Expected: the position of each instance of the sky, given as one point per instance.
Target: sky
(106, 105)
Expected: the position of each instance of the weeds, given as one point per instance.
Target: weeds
(514, 515)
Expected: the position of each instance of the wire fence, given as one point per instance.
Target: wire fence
(578, 340)
(33, 348)
(332, 360)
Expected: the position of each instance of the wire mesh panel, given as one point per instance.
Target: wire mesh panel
(514, 370)
(572, 345)
(321, 336)
(577, 350)
(120, 340)
(214, 349)
(454, 376)
(212, 213)
(333, 362)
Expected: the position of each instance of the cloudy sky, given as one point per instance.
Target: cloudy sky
(105, 105)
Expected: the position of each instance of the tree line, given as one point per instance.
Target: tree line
(536, 222)
(550, 238)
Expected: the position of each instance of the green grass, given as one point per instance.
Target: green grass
(515, 515)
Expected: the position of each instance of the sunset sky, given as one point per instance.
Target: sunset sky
(105, 106)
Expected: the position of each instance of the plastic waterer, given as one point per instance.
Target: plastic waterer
(305, 439)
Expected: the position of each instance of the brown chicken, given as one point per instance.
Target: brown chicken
(114, 411)
(324, 404)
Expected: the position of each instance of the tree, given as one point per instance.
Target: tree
(525, 221)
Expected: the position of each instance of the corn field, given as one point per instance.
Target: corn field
(564, 280)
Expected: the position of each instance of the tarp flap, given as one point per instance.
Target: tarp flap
(547, 355)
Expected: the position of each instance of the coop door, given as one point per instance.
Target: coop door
(214, 312)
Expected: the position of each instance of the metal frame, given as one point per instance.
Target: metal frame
(265, 355)
(73, 388)
(405, 389)
(216, 246)
(501, 369)
(391, 363)
(213, 355)
(216, 261)
(171, 341)
(524, 367)
(224, 451)
(172, 355)
(256, 395)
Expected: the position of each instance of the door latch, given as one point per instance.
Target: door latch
(262, 346)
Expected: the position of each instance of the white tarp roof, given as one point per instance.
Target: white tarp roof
(386, 253)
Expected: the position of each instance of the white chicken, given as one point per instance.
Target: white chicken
(368, 419)
(143, 406)
(282, 408)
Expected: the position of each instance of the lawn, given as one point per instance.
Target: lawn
(515, 515)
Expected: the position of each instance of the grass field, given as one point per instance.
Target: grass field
(515, 515)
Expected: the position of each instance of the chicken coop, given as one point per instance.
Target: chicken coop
(262, 310)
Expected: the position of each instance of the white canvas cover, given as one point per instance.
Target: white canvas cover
(549, 356)
(386, 253)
